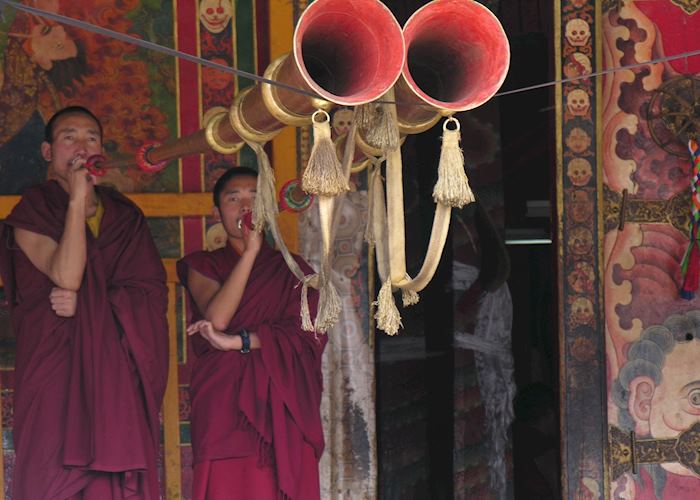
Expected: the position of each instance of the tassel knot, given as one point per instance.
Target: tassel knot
(328, 306)
(377, 126)
(265, 209)
(306, 323)
(324, 174)
(452, 187)
(409, 297)
(387, 315)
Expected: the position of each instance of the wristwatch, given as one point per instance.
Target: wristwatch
(245, 338)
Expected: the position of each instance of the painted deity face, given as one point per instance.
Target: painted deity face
(580, 241)
(236, 198)
(74, 136)
(342, 119)
(675, 404)
(51, 43)
(581, 311)
(578, 102)
(215, 14)
(581, 278)
(577, 32)
(576, 65)
(579, 171)
(215, 78)
(578, 140)
(581, 206)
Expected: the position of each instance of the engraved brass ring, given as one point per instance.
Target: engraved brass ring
(215, 142)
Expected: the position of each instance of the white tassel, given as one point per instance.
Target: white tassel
(387, 315)
(374, 175)
(265, 208)
(452, 187)
(409, 297)
(378, 126)
(324, 174)
(306, 323)
(328, 307)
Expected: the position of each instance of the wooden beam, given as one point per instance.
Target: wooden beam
(170, 271)
(152, 204)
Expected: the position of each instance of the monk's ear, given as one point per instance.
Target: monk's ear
(641, 394)
(216, 213)
(46, 151)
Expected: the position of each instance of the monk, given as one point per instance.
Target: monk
(256, 383)
(88, 301)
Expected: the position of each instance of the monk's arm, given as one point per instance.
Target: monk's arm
(62, 262)
(220, 340)
(218, 302)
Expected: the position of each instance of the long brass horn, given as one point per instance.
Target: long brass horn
(345, 51)
(457, 58)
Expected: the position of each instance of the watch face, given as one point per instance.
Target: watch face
(245, 339)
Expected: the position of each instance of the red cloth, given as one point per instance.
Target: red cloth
(229, 478)
(673, 486)
(264, 404)
(88, 388)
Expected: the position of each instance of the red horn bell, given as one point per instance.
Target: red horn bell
(457, 54)
(349, 51)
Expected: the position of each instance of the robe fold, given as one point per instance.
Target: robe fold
(88, 388)
(263, 405)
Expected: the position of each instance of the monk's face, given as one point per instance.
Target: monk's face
(236, 198)
(74, 136)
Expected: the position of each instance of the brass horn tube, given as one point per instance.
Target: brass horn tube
(345, 51)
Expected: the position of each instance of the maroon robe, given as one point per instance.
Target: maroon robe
(88, 388)
(263, 405)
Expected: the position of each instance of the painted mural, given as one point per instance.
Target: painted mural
(652, 336)
(46, 66)
(581, 347)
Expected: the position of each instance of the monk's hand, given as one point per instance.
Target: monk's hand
(252, 239)
(217, 339)
(78, 180)
(63, 302)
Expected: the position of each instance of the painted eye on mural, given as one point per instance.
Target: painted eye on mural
(219, 10)
(210, 11)
(694, 398)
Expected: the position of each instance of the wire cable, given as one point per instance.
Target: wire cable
(251, 76)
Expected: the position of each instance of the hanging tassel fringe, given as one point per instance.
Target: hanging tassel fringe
(690, 267)
(409, 297)
(374, 176)
(452, 187)
(378, 125)
(265, 209)
(324, 174)
(306, 323)
(328, 306)
(387, 315)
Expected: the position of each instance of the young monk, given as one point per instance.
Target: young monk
(88, 303)
(256, 384)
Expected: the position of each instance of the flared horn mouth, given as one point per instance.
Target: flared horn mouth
(457, 54)
(349, 51)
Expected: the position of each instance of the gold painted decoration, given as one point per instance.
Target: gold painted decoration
(690, 7)
(627, 452)
(620, 208)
